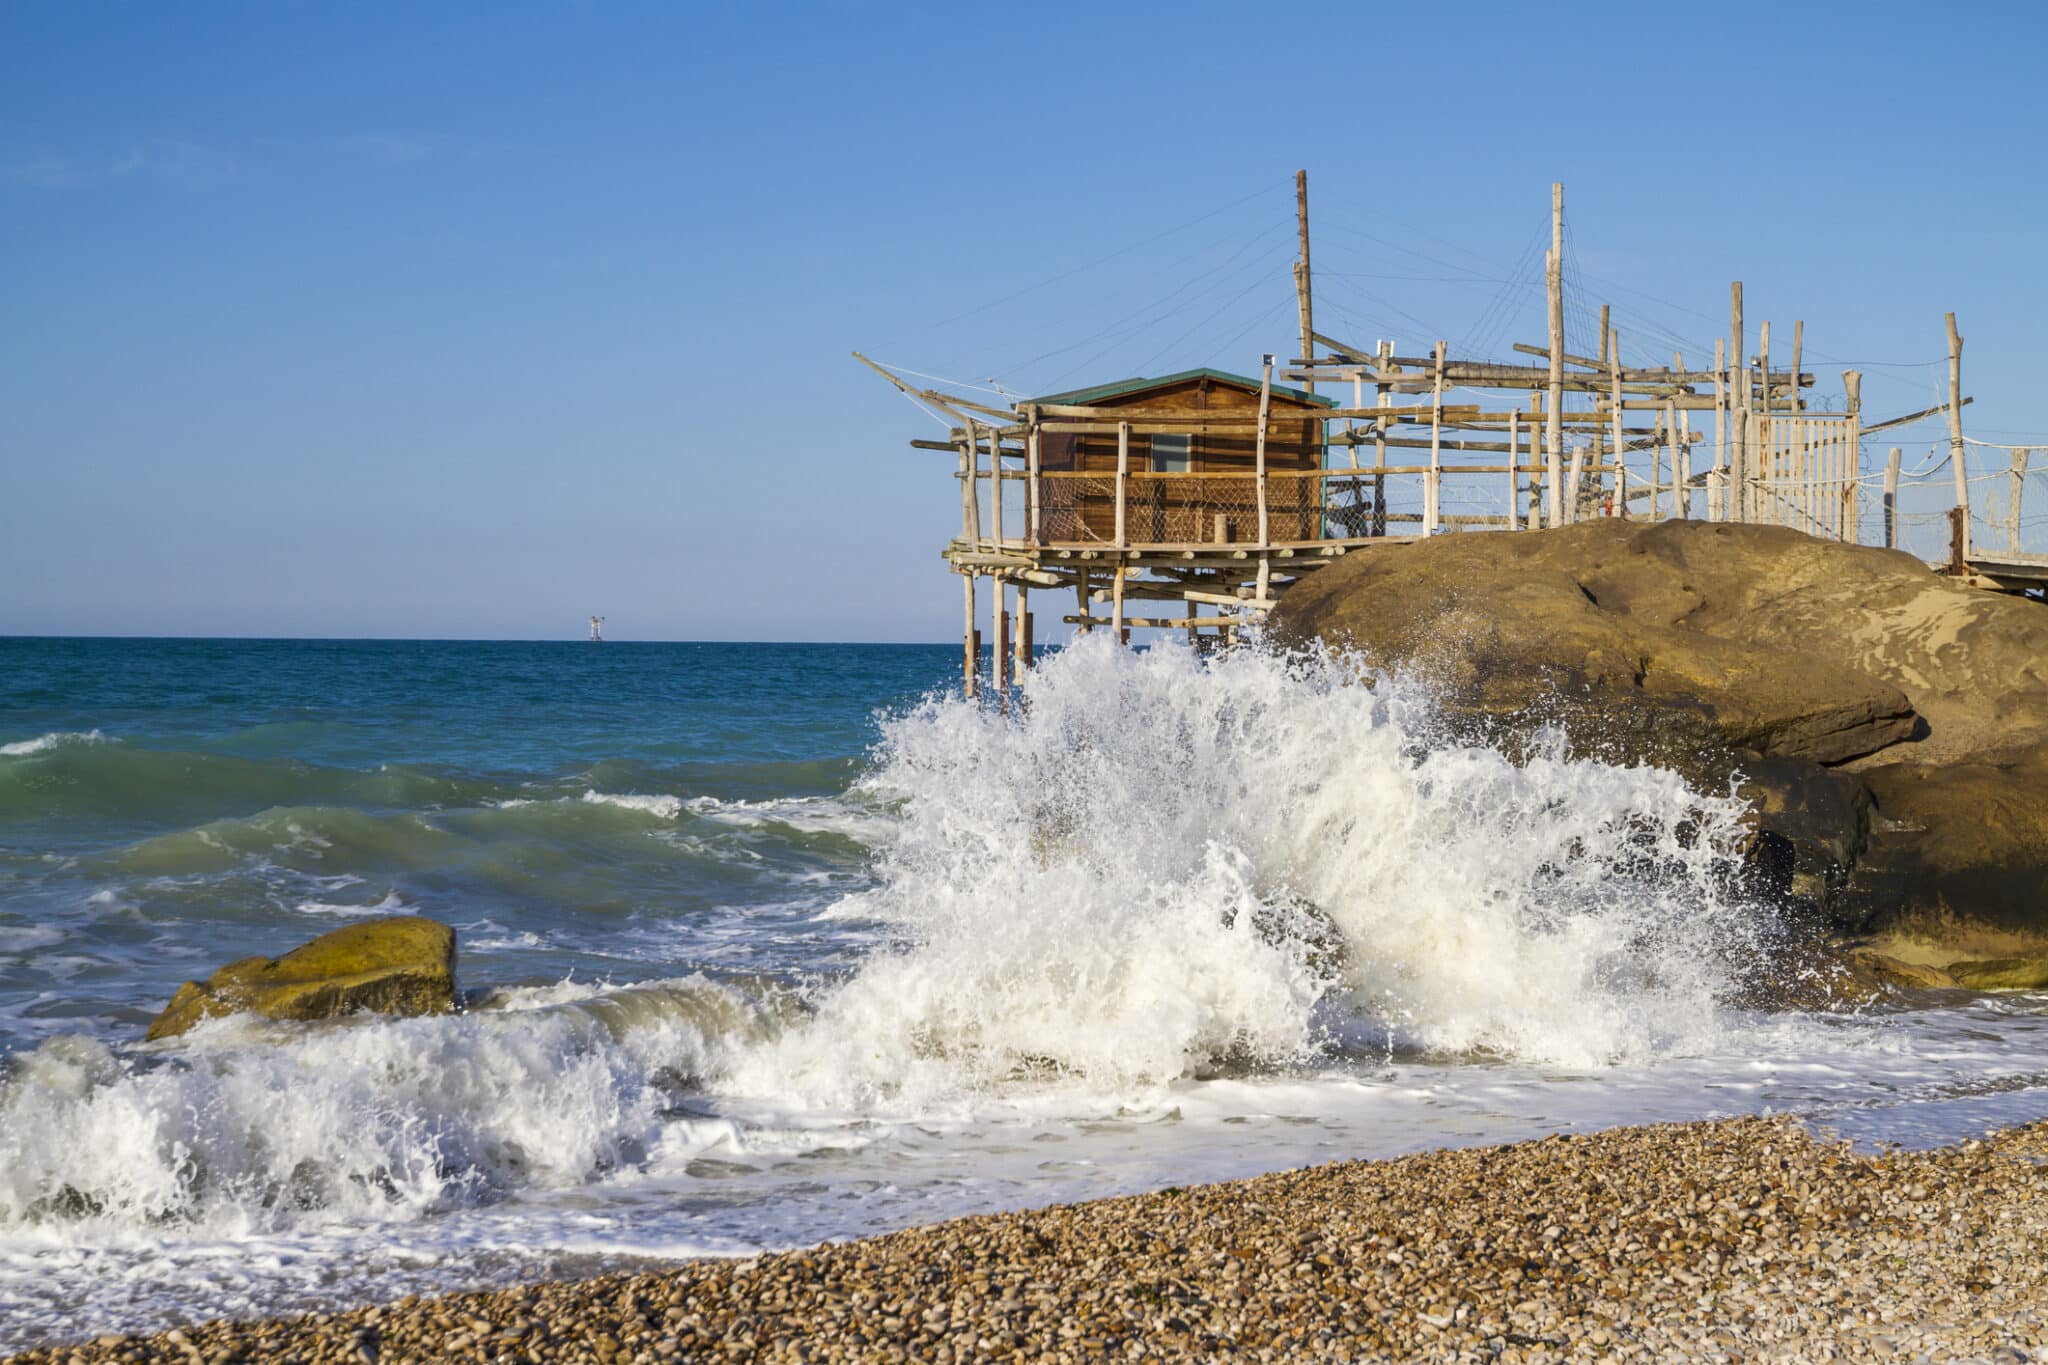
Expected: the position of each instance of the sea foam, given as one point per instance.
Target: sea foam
(1156, 869)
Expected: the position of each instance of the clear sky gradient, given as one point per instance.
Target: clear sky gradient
(471, 320)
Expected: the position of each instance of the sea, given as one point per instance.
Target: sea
(768, 944)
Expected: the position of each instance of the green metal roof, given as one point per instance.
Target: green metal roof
(1081, 397)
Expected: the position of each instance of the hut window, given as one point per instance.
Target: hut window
(1170, 454)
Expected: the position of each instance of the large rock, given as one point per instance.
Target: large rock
(1889, 725)
(400, 965)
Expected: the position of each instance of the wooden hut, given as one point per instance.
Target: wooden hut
(1191, 483)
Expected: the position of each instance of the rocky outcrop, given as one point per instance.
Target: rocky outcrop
(401, 965)
(1888, 725)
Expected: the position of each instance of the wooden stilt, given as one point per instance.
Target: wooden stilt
(1514, 478)
(1433, 490)
(1022, 630)
(1553, 422)
(2017, 486)
(1619, 435)
(970, 641)
(1891, 499)
(1955, 432)
(1740, 475)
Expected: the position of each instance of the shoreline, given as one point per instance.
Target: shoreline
(1745, 1238)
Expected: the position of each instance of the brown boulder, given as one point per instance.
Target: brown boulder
(400, 965)
(1888, 725)
(1590, 617)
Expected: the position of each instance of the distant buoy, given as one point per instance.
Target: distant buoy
(597, 630)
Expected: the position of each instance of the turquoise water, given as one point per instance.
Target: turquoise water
(766, 944)
(168, 805)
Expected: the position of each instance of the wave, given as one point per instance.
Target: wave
(247, 1128)
(89, 776)
(1158, 869)
(44, 743)
(1162, 865)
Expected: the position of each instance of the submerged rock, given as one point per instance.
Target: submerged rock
(401, 965)
(1888, 726)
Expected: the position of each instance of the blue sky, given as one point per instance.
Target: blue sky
(472, 320)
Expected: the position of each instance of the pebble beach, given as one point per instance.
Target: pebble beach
(1745, 1239)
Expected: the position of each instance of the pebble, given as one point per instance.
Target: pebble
(1748, 1239)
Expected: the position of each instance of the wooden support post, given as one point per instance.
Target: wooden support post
(970, 642)
(1605, 309)
(1553, 428)
(1763, 360)
(1514, 479)
(1557, 512)
(1081, 596)
(1116, 605)
(1851, 528)
(1259, 452)
(1304, 293)
(995, 490)
(1620, 439)
(970, 491)
(1685, 456)
(1123, 482)
(999, 657)
(1379, 449)
(1798, 346)
(1891, 499)
(1717, 482)
(1031, 516)
(1263, 591)
(1027, 647)
(1433, 490)
(1571, 484)
(1681, 452)
(1740, 461)
(2018, 485)
(1955, 432)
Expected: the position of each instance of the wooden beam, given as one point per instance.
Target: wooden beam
(1924, 413)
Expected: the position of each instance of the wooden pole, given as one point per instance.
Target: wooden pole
(1123, 480)
(1553, 429)
(1852, 458)
(1571, 483)
(1620, 440)
(1717, 483)
(995, 489)
(999, 657)
(1081, 595)
(1763, 361)
(1379, 449)
(1265, 410)
(1031, 516)
(1433, 491)
(972, 664)
(1604, 310)
(973, 467)
(1769, 472)
(2018, 485)
(1738, 417)
(1891, 499)
(1514, 479)
(1955, 431)
(1116, 605)
(1304, 294)
(1798, 345)
(1026, 646)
